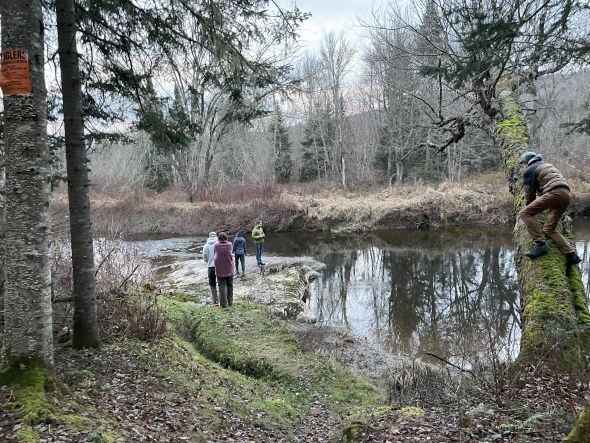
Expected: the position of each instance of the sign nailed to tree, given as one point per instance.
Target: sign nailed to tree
(14, 72)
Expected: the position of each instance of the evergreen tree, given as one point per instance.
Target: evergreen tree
(279, 134)
(85, 332)
(222, 77)
(157, 170)
(315, 162)
(171, 133)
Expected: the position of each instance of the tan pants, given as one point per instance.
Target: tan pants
(557, 202)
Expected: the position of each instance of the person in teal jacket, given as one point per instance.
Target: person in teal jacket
(258, 236)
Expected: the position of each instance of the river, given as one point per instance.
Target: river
(450, 292)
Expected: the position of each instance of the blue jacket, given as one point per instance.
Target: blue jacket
(239, 247)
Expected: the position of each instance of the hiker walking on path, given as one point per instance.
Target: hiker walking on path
(239, 250)
(554, 194)
(224, 269)
(208, 256)
(258, 236)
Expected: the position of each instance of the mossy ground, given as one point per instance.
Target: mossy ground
(235, 371)
(247, 339)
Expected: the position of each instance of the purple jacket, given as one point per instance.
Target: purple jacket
(224, 259)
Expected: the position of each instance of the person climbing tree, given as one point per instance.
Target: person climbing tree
(554, 194)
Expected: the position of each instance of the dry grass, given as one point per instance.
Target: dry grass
(413, 206)
(312, 206)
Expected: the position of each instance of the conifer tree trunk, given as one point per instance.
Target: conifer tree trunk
(27, 311)
(85, 318)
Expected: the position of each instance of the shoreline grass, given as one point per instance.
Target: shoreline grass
(309, 207)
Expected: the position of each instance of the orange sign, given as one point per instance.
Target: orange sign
(14, 72)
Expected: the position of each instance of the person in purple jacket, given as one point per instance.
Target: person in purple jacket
(224, 269)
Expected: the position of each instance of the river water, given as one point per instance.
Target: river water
(450, 292)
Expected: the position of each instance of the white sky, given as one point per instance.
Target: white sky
(332, 16)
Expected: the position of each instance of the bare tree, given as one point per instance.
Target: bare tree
(336, 57)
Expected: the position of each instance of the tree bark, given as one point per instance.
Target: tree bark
(27, 310)
(554, 312)
(581, 430)
(85, 333)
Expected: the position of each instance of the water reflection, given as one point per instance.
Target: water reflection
(449, 292)
(416, 292)
(581, 228)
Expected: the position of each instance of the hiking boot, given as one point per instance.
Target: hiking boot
(573, 258)
(538, 250)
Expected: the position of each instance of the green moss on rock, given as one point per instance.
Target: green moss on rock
(410, 411)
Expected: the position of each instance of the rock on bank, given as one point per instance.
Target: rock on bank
(282, 285)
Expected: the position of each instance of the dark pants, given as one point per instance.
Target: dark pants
(226, 290)
(259, 247)
(240, 258)
(557, 202)
(212, 283)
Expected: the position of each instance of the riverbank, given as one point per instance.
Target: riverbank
(314, 207)
(317, 207)
(261, 372)
(236, 374)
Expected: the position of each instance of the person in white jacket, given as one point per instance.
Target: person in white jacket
(209, 256)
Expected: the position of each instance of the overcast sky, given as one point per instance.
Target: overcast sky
(332, 15)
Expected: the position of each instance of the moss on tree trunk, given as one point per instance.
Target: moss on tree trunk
(30, 378)
(581, 431)
(554, 314)
(553, 310)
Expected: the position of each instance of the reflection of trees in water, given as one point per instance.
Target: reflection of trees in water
(416, 301)
(584, 251)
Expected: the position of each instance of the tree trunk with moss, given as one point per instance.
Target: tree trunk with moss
(27, 297)
(554, 312)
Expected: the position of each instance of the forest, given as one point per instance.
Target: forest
(354, 115)
(128, 117)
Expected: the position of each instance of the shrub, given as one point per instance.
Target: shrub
(137, 316)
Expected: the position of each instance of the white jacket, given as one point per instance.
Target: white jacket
(208, 254)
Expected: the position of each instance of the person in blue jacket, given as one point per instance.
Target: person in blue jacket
(239, 250)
